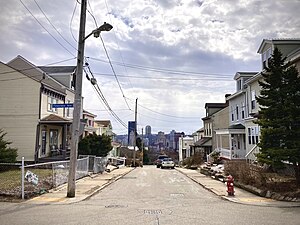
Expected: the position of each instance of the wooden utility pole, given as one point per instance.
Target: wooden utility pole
(77, 104)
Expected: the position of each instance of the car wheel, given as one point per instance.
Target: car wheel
(157, 166)
(161, 167)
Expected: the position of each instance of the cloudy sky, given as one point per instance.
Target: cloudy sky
(173, 55)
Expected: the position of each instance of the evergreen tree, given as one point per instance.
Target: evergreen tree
(279, 114)
(93, 144)
(7, 154)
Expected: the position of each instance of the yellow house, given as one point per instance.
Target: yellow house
(33, 124)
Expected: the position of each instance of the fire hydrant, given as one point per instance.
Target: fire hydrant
(230, 186)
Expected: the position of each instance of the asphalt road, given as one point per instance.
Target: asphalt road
(149, 196)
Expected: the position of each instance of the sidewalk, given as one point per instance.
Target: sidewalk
(241, 196)
(85, 188)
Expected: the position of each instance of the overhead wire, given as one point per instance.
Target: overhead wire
(102, 97)
(53, 25)
(162, 70)
(71, 21)
(45, 28)
(107, 55)
(117, 41)
(114, 72)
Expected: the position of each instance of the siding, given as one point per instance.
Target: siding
(19, 100)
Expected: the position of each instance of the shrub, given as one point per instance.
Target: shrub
(7, 154)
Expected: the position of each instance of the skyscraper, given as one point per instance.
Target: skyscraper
(131, 129)
(148, 130)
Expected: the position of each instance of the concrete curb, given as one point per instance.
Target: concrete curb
(248, 199)
(112, 180)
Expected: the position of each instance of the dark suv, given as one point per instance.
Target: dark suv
(159, 160)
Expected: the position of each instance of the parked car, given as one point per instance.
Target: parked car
(159, 160)
(167, 163)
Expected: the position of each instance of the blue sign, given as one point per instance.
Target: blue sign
(68, 105)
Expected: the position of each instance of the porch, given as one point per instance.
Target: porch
(53, 138)
(231, 142)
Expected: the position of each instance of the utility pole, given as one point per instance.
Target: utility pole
(142, 146)
(135, 133)
(77, 104)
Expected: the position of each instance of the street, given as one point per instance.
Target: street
(148, 196)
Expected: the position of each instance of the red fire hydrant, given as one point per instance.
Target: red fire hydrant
(230, 186)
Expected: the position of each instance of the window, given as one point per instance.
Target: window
(232, 114)
(51, 101)
(243, 110)
(239, 84)
(253, 133)
(253, 100)
(237, 112)
(266, 56)
(53, 139)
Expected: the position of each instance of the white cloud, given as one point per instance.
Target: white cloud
(201, 36)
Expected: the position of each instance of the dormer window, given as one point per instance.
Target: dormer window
(239, 84)
(266, 56)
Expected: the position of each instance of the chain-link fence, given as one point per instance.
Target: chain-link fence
(37, 178)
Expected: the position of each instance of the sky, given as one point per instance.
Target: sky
(172, 55)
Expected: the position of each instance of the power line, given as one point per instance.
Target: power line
(117, 41)
(114, 72)
(54, 26)
(45, 28)
(71, 21)
(166, 78)
(155, 69)
(100, 94)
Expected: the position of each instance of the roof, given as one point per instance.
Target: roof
(216, 105)
(105, 123)
(58, 69)
(202, 141)
(52, 118)
(88, 113)
(244, 74)
(237, 126)
(277, 41)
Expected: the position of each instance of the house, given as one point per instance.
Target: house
(230, 140)
(290, 48)
(205, 144)
(184, 147)
(89, 120)
(27, 94)
(103, 127)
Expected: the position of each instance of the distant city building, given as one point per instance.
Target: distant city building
(131, 129)
(148, 130)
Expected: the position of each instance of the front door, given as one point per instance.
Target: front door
(53, 140)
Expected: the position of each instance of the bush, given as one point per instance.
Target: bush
(193, 161)
(7, 154)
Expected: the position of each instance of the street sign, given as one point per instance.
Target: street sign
(68, 105)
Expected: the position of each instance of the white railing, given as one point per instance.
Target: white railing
(225, 153)
(251, 155)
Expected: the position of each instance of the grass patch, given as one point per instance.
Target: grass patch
(12, 178)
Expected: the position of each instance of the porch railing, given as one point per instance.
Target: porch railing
(251, 155)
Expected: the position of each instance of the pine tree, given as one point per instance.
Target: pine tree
(7, 154)
(279, 115)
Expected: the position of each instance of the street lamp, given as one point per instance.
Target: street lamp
(78, 96)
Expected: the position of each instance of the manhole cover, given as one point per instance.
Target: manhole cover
(152, 211)
(116, 206)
